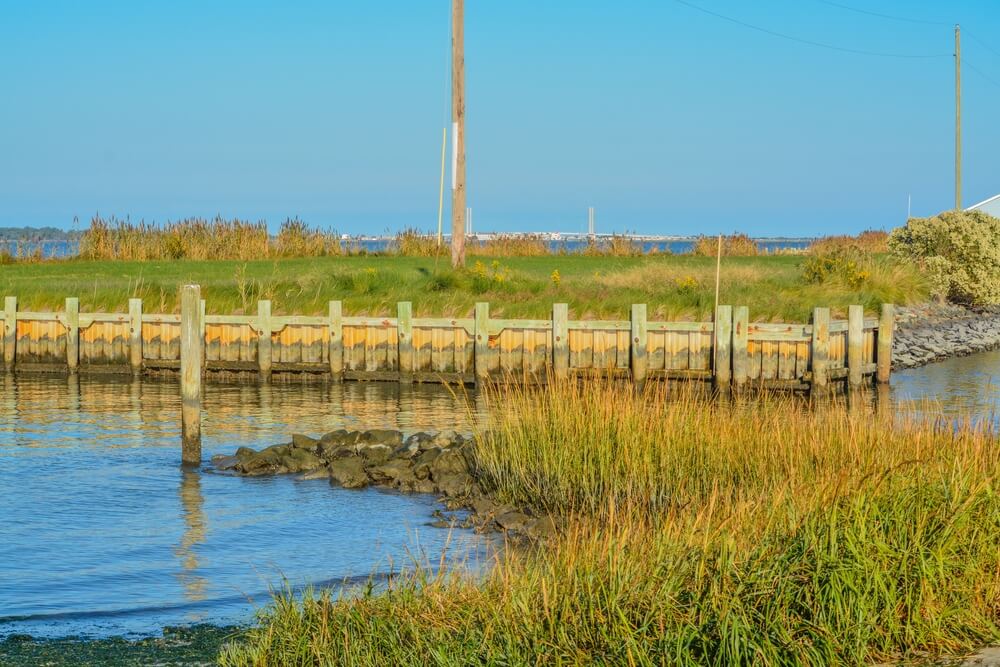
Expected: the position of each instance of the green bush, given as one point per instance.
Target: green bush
(958, 250)
(847, 265)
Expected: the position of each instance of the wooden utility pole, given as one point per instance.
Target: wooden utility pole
(958, 118)
(191, 357)
(458, 133)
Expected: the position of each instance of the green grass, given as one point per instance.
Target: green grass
(675, 287)
(695, 533)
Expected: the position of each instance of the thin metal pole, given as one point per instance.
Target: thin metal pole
(444, 147)
(958, 118)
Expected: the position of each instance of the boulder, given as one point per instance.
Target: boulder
(513, 520)
(378, 436)
(449, 462)
(420, 441)
(456, 485)
(225, 462)
(349, 473)
(269, 461)
(301, 460)
(318, 473)
(335, 450)
(422, 463)
(301, 441)
(396, 472)
(448, 438)
(341, 437)
(375, 454)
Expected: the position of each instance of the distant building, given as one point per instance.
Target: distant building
(991, 206)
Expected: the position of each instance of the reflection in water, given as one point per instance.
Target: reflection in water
(192, 503)
(107, 535)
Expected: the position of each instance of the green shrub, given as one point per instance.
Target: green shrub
(846, 265)
(958, 251)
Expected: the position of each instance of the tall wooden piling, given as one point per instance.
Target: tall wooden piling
(404, 333)
(722, 366)
(264, 340)
(72, 334)
(560, 341)
(336, 341)
(192, 342)
(9, 331)
(855, 345)
(741, 325)
(820, 350)
(639, 344)
(482, 348)
(886, 323)
(135, 335)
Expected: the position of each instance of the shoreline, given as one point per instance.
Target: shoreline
(932, 332)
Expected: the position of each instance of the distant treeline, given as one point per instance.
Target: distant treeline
(38, 234)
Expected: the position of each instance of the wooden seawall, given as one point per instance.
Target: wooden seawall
(731, 351)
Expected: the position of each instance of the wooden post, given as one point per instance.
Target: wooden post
(404, 333)
(458, 133)
(72, 333)
(264, 340)
(886, 323)
(820, 350)
(638, 344)
(9, 332)
(336, 341)
(741, 324)
(560, 340)
(201, 327)
(723, 358)
(481, 359)
(855, 345)
(135, 335)
(191, 351)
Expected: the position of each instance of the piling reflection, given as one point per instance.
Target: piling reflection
(192, 510)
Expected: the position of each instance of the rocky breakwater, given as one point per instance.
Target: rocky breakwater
(932, 332)
(441, 463)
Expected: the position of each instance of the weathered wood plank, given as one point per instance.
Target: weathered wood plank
(820, 350)
(560, 341)
(639, 344)
(883, 357)
(855, 341)
(723, 358)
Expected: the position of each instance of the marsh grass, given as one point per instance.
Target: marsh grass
(693, 533)
(200, 239)
(675, 287)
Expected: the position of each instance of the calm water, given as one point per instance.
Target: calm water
(104, 534)
(957, 387)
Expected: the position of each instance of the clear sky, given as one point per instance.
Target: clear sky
(667, 119)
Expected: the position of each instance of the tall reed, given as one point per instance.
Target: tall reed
(201, 239)
(733, 245)
(692, 533)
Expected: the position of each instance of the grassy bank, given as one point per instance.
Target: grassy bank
(726, 534)
(675, 287)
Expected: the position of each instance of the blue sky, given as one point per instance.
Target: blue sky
(666, 119)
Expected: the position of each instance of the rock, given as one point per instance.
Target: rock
(386, 437)
(301, 460)
(422, 464)
(449, 462)
(398, 472)
(513, 521)
(301, 441)
(446, 439)
(456, 485)
(409, 450)
(335, 450)
(341, 437)
(268, 461)
(318, 473)
(542, 527)
(349, 473)
(375, 454)
(421, 440)
(244, 452)
(225, 462)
